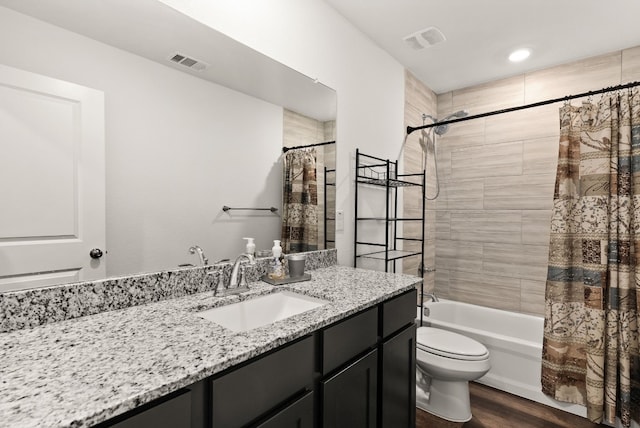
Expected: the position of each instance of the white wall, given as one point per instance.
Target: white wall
(176, 149)
(310, 37)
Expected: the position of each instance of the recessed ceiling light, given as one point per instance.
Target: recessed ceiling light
(519, 55)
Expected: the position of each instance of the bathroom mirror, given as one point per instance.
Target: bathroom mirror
(194, 121)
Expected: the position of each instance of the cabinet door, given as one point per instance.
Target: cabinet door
(296, 415)
(350, 396)
(398, 380)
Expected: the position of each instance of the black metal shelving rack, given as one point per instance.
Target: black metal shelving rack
(374, 171)
(329, 219)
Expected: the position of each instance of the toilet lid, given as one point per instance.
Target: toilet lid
(449, 344)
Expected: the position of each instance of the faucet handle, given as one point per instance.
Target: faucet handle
(242, 282)
(213, 279)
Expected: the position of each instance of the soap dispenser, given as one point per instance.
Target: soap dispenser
(251, 247)
(276, 250)
(276, 268)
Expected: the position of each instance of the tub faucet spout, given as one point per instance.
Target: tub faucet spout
(432, 296)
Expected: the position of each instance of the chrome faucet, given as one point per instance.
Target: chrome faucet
(432, 296)
(240, 281)
(237, 281)
(196, 249)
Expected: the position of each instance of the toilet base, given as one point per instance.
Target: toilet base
(445, 399)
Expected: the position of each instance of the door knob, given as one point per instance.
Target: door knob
(96, 253)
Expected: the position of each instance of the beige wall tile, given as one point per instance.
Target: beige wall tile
(430, 252)
(329, 128)
(419, 93)
(487, 226)
(490, 96)
(409, 265)
(464, 129)
(573, 78)
(540, 156)
(412, 198)
(301, 130)
(443, 225)
(441, 286)
(487, 161)
(444, 104)
(413, 114)
(459, 256)
(464, 194)
(525, 192)
(536, 227)
(532, 297)
(485, 290)
(419, 99)
(445, 146)
(526, 124)
(515, 260)
(631, 65)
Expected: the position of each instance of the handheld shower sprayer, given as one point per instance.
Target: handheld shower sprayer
(427, 138)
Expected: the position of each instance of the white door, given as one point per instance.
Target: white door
(52, 191)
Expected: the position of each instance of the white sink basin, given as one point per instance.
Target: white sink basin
(263, 310)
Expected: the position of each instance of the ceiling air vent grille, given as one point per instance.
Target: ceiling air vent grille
(188, 62)
(425, 38)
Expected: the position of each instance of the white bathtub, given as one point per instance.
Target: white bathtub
(514, 341)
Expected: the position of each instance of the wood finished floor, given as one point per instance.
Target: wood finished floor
(492, 408)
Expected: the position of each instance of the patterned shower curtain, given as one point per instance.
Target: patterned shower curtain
(300, 202)
(590, 350)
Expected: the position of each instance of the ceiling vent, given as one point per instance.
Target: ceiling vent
(424, 38)
(188, 62)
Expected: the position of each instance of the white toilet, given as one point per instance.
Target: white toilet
(446, 362)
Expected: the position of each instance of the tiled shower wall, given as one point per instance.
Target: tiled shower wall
(419, 100)
(299, 130)
(497, 176)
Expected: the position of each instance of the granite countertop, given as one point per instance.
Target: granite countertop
(83, 371)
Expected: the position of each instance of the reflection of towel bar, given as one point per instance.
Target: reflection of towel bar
(272, 209)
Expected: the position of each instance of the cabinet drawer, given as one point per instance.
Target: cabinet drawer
(398, 312)
(172, 413)
(245, 394)
(299, 414)
(349, 338)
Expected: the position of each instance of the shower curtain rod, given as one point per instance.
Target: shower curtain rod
(410, 129)
(286, 149)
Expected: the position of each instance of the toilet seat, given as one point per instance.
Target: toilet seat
(450, 345)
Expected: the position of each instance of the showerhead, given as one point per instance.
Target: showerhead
(442, 129)
(456, 115)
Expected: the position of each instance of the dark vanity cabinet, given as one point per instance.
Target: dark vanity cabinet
(357, 372)
(374, 386)
(398, 363)
(350, 372)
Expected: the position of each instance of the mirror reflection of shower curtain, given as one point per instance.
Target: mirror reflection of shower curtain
(300, 201)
